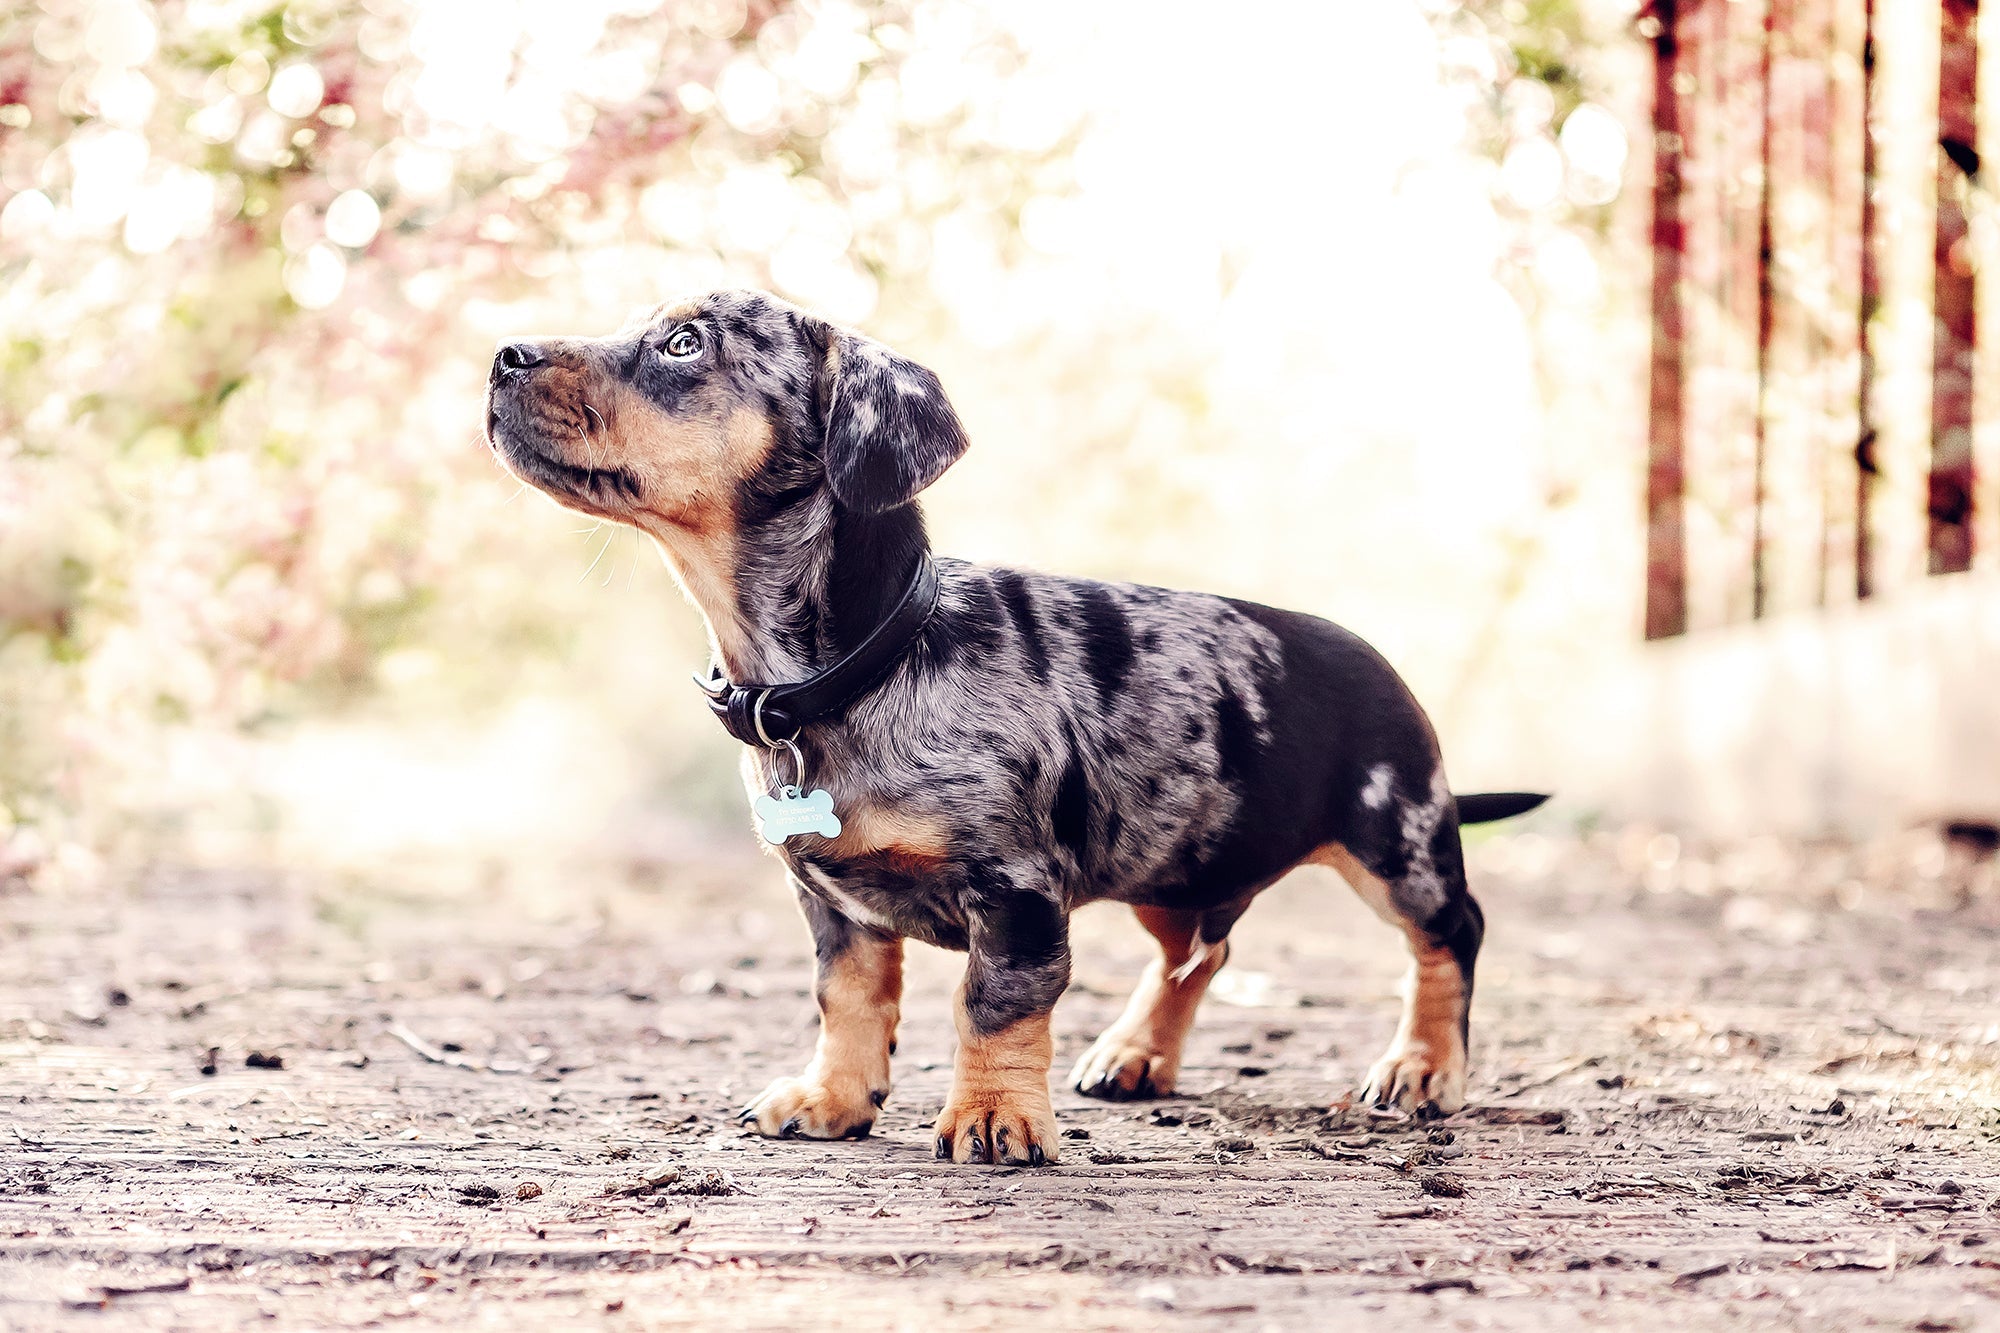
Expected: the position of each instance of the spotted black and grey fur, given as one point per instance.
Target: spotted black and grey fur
(1045, 742)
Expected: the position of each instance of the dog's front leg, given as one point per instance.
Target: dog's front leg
(1018, 941)
(860, 989)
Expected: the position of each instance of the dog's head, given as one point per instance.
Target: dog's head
(679, 423)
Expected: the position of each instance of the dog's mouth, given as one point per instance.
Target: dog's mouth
(525, 448)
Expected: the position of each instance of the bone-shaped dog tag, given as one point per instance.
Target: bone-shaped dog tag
(789, 814)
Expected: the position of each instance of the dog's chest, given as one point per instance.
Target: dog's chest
(890, 868)
(887, 893)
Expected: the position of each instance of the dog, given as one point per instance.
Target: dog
(1029, 743)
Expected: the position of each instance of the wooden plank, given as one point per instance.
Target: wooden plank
(1722, 202)
(1953, 292)
(1985, 238)
(1793, 508)
(1904, 110)
(1666, 558)
(1766, 314)
(1840, 325)
(1871, 303)
(1745, 291)
(1700, 83)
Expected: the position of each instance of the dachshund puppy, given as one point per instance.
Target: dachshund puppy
(1035, 741)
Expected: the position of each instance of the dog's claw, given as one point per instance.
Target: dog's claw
(943, 1148)
(1036, 1156)
(789, 1129)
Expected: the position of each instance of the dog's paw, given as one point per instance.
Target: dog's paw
(809, 1109)
(1418, 1076)
(1122, 1068)
(998, 1128)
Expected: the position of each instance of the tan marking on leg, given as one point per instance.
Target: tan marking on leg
(1426, 1060)
(1140, 1054)
(860, 1003)
(999, 1109)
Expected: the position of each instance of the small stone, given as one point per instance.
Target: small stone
(1441, 1186)
(655, 1177)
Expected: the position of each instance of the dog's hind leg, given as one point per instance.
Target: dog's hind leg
(860, 989)
(1420, 890)
(1140, 1054)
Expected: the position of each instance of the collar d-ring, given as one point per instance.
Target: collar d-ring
(757, 721)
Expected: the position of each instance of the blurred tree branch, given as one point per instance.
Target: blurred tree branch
(243, 247)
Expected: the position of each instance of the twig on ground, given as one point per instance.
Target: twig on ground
(437, 1055)
(1563, 1072)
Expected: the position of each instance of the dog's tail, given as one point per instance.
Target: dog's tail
(1486, 806)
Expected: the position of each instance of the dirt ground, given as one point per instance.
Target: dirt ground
(235, 1098)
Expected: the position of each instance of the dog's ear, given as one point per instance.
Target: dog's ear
(889, 429)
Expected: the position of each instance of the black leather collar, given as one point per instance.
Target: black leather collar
(770, 715)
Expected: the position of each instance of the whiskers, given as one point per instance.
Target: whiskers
(593, 427)
(599, 556)
(611, 572)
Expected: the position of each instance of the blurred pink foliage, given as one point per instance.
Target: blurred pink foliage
(239, 242)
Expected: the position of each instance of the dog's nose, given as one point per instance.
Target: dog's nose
(517, 357)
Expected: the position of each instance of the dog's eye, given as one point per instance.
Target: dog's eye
(684, 344)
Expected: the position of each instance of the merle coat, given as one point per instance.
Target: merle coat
(1045, 741)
